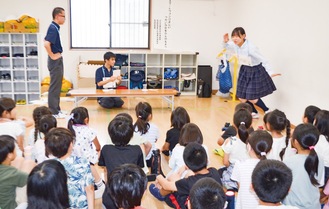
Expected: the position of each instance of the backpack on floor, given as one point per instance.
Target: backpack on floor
(137, 78)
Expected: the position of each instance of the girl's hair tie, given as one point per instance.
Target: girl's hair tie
(311, 147)
(140, 116)
(263, 154)
(242, 123)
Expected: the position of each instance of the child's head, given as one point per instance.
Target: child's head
(127, 184)
(238, 36)
(7, 108)
(121, 131)
(243, 105)
(195, 157)
(260, 142)
(309, 114)
(46, 123)
(190, 133)
(125, 115)
(78, 116)
(59, 142)
(38, 112)
(305, 137)
(321, 122)
(109, 58)
(242, 120)
(207, 193)
(49, 174)
(7, 148)
(276, 121)
(179, 117)
(271, 180)
(143, 112)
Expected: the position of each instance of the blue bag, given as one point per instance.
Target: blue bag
(137, 78)
(225, 78)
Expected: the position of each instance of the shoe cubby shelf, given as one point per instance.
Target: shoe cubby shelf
(162, 70)
(19, 67)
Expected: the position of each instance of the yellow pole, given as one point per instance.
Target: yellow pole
(235, 75)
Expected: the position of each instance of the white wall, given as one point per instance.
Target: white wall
(292, 35)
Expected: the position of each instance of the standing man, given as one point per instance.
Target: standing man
(105, 78)
(55, 61)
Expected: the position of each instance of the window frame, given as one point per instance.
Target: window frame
(110, 31)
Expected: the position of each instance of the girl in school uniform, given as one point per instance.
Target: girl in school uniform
(254, 81)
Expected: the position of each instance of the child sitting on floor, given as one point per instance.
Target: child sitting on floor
(271, 181)
(176, 190)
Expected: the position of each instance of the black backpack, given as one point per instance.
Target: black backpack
(204, 90)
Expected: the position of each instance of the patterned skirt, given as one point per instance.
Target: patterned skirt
(254, 82)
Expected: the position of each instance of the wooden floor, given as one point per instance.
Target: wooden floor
(210, 114)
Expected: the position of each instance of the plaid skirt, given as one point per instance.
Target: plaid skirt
(254, 82)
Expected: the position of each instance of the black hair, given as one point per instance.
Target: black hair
(121, 131)
(58, 141)
(47, 186)
(310, 112)
(109, 55)
(207, 193)
(321, 122)
(38, 112)
(127, 184)
(195, 156)
(242, 119)
(125, 115)
(143, 110)
(261, 142)
(190, 133)
(56, 11)
(271, 180)
(46, 123)
(307, 136)
(279, 122)
(179, 117)
(7, 145)
(243, 105)
(6, 104)
(77, 116)
(238, 31)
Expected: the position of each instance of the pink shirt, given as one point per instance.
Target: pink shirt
(326, 192)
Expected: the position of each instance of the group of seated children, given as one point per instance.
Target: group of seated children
(286, 169)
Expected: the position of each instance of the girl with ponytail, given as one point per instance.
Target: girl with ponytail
(259, 143)
(145, 129)
(307, 169)
(235, 147)
(279, 127)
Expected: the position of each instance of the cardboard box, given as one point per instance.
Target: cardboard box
(24, 24)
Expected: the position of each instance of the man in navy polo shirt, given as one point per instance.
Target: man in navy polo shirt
(54, 49)
(106, 71)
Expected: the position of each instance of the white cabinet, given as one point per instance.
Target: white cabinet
(19, 67)
(162, 70)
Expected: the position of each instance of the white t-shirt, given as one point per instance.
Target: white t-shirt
(14, 129)
(39, 151)
(322, 149)
(277, 207)
(277, 146)
(30, 141)
(242, 171)
(236, 149)
(152, 135)
(176, 160)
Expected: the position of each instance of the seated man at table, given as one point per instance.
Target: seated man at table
(105, 79)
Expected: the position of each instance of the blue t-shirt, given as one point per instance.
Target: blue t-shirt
(54, 38)
(100, 74)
